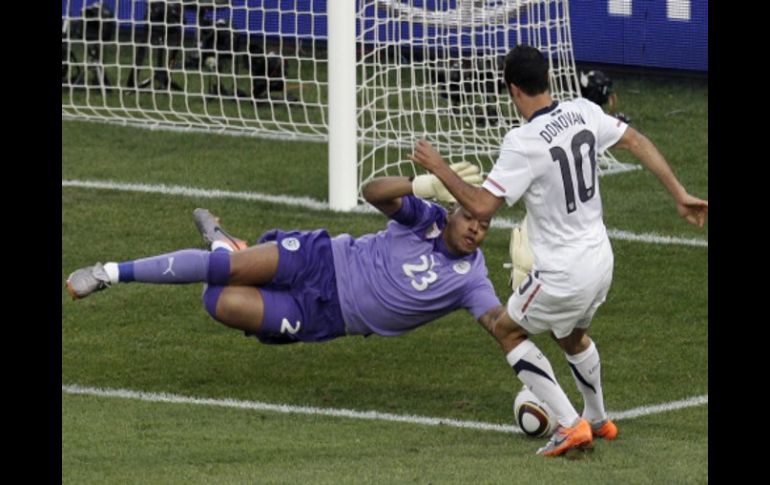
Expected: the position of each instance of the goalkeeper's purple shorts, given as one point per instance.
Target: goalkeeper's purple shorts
(301, 302)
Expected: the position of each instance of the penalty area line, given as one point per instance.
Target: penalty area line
(314, 204)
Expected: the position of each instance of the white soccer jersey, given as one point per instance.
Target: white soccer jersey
(551, 162)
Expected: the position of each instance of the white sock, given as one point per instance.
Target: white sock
(112, 271)
(534, 370)
(221, 245)
(587, 371)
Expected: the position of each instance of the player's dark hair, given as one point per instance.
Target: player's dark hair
(527, 68)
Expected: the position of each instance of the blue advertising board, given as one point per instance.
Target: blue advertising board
(671, 34)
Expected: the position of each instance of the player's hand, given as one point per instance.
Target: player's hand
(430, 187)
(426, 156)
(693, 209)
(522, 258)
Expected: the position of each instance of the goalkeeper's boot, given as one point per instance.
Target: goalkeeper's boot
(208, 226)
(85, 281)
(604, 429)
(565, 439)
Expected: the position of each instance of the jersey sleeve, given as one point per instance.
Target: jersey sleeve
(608, 129)
(480, 298)
(418, 214)
(511, 175)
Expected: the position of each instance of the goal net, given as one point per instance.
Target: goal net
(423, 69)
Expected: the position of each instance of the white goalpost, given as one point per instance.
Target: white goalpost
(368, 77)
(343, 173)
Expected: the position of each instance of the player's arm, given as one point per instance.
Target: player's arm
(507, 336)
(487, 320)
(478, 201)
(693, 209)
(385, 193)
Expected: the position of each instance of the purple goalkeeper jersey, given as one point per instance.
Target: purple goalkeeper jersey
(404, 276)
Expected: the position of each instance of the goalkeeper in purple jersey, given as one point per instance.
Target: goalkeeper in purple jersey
(305, 286)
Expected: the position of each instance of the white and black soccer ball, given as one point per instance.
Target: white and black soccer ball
(532, 415)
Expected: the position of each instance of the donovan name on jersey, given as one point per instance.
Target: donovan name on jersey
(561, 122)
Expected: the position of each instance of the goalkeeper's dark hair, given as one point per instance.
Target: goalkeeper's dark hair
(527, 68)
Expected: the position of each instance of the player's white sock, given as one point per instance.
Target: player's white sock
(534, 370)
(112, 271)
(219, 245)
(587, 371)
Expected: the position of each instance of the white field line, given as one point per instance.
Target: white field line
(352, 414)
(660, 408)
(310, 203)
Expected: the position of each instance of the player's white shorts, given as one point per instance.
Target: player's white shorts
(541, 304)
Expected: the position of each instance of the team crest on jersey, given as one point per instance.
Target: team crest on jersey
(432, 232)
(462, 267)
(290, 243)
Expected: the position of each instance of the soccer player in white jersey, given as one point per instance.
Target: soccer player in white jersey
(550, 162)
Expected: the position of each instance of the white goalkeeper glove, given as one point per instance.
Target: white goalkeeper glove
(521, 254)
(428, 186)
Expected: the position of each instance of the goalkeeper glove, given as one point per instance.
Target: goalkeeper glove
(521, 254)
(428, 186)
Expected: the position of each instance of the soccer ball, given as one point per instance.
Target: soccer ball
(532, 415)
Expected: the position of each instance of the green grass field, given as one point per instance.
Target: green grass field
(652, 332)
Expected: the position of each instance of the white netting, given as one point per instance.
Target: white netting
(434, 70)
(425, 68)
(196, 65)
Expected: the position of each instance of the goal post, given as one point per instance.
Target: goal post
(367, 77)
(343, 171)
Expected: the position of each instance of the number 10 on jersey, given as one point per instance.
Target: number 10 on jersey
(559, 155)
